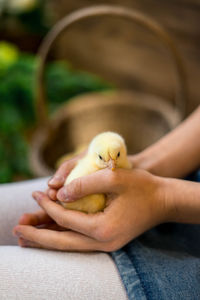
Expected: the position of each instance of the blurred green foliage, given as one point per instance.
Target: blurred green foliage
(17, 114)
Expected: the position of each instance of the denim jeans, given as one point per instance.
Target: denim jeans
(163, 263)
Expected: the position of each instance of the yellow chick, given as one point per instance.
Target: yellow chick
(106, 150)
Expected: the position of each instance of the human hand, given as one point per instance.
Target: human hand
(136, 202)
(38, 219)
(58, 179)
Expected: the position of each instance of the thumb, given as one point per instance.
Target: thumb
(100, 182)
(61, 174)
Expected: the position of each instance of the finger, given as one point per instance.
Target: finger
(36, 218)
(60, 176)
(103, 181)
(25, 243)
(52, 226)
(52, 194)
(50, 239)
(70, 219)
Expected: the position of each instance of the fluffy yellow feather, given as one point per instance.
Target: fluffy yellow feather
(106, 150)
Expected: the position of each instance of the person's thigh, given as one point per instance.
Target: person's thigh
(28, 274)
(15, 200)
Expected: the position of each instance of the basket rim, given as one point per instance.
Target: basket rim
(149, 102)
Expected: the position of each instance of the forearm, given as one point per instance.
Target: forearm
(183, 200)
(176, 154)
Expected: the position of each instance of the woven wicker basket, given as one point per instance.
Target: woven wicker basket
(141, 118)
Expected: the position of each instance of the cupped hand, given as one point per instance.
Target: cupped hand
(136, 202)
(58, 179)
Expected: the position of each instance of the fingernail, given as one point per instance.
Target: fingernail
(51, 180)
(37, 196)
(19, 234)
(62, 195)
(55, 179)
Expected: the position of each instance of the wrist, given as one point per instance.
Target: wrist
(166, 198)
(157, 200)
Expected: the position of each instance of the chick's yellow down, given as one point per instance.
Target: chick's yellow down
(106, 150)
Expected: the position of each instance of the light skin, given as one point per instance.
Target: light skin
(138, 199)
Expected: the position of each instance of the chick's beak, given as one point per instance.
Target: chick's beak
(112, 164)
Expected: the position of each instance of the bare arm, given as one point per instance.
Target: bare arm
(176, 154)
(183, 200)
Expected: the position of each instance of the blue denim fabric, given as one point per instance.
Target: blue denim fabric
(163, 263)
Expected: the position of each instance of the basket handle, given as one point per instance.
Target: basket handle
(99, 10)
